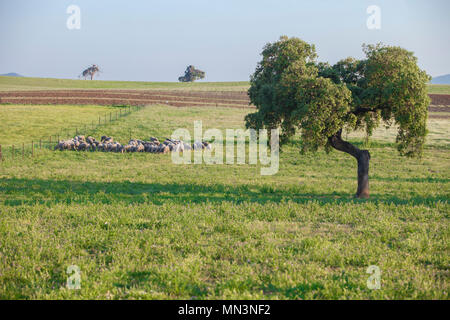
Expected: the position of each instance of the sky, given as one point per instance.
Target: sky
(153, 40)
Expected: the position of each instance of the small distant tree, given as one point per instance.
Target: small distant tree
(293, 92)
(191, 74)
(90, 71)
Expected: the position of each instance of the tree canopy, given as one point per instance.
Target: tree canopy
(90, 71)
(292, 91)
(191, 74)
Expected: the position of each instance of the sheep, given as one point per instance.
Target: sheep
(206, 145)
(69, 145)
(197, 145)
(107, 144)
(118, 147)
(106, 139)
(60, 146)
(83, 146)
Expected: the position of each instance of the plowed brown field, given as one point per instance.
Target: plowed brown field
(235, 99)
(129, 97)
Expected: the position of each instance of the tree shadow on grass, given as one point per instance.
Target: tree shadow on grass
(148, 279)
(15, 192)
(296, 292)
(413, 179)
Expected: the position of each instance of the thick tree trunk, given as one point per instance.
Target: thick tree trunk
(363, 175)
(362, 156)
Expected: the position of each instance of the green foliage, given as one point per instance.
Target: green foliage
(396, 90)
(90, 71)
(292, 91)
(191, 74)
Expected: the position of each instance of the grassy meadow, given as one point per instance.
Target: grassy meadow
(26, 83)
(23, 123)
(439, 88)
(140, 227)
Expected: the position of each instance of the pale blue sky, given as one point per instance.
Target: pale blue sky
(155, 40)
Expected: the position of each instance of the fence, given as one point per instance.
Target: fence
(20, 151)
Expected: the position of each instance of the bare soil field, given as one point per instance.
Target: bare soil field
(237, 99)
(440, 99)
(129, 97)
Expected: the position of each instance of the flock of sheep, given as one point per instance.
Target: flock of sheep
(107, 144)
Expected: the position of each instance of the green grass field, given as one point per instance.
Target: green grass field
(24, 83)
(24, 123)
(439, 88)
(141, 227)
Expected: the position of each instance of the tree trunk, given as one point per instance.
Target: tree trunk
(362, 156)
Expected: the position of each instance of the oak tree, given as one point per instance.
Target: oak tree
(293, 92)
(90, 71)
(191, 74)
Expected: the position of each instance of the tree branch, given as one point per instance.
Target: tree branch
(361, 110)
(344, 146)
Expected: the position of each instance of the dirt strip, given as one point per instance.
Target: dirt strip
(238, 99)
(130, 97)
(123, 95)
(440, 99)
(109, 101)
(238, 96)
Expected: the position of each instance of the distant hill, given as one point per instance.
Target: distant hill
(445, 79)
(11, 74)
